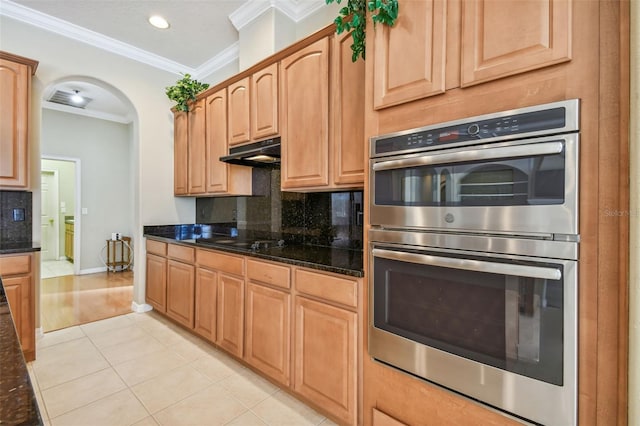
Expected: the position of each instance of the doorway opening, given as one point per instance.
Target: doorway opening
(60, 196)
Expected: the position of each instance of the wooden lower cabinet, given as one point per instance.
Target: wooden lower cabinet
(156, 292)
(181, 292)
(325, 357)
(206, 303)
(68, 241)
(19, 287)
(267, 334)
(230, 327)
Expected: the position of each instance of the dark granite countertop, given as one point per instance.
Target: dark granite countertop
(18, 404)
(339, 260)
(8, 247)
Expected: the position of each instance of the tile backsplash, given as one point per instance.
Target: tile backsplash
(15, 216)
(325, 218)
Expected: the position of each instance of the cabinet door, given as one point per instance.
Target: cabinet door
(180, 292)
(216, 141)
(206, 300)
(156, 290)
(196, 149)
(180, 152)
(304, 98)
(18, 292)
(348, 114)
(267, 331)
(383, 419)
(409, 59)
(230, 313)
(238, 120)
(14, 124)
(325, 357)
(539, 34)
(264, 102)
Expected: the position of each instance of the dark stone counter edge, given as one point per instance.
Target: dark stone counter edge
(20, 247)
(17, 397)
(358, 273)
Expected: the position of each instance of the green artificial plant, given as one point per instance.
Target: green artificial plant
(353, 18)
(184, 91)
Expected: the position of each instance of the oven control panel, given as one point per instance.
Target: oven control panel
(548, 119)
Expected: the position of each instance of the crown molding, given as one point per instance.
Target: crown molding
(38, 19)
(296, 10)
(87, 112)
(222, 59)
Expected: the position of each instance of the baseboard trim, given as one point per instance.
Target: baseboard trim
(93, 270)
(140, 307)
(39, 333)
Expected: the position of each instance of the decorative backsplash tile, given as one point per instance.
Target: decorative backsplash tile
(325, 219)
(15, 216)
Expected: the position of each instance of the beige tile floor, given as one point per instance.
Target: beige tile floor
(55, 268)
(140, 369)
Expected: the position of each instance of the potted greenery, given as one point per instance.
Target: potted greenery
(185, 91)
(353, 19)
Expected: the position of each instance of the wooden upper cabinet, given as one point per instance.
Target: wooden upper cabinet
(180, 153)
(410, 58)
(216, 141)
(504, 38)
(196, 149)
(221, 178)
(304, 114)
(347, 141)
(15, 95)
(264, 102)
(239, 112)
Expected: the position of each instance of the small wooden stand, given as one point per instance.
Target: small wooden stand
(118, 254)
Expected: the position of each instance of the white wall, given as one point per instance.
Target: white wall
(143, 87)
(634, 243)
(104, 148)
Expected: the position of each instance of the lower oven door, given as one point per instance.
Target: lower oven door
(497, 328)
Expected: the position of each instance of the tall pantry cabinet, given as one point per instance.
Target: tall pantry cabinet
(447, 60)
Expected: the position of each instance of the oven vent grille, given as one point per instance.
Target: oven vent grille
(64, 98)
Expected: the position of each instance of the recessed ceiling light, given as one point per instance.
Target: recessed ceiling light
(76, 98)
(159, 22)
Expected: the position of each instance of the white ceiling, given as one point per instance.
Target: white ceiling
(202, 37)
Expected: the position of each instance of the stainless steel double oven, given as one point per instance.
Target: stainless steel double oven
(473, 257)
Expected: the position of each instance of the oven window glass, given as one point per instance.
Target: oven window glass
(506, 321)
(537, 180)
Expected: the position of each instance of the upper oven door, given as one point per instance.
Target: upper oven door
(519, 187)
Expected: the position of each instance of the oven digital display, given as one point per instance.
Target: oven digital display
(448, 136)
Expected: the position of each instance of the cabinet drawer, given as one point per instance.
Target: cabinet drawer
(382, 419)
(13, 265)
(220, 262)
(279, 276)
(157, 247)
(328, 287)
(186, 254)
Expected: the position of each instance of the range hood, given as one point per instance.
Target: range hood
(265, 153)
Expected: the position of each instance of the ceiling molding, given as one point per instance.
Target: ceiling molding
(222, 59)
(78, 33)
(87, 112)
(296, 10)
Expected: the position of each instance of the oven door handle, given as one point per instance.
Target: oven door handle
(544, 148)
(471, 265)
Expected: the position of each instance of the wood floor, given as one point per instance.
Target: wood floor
(79, 299)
